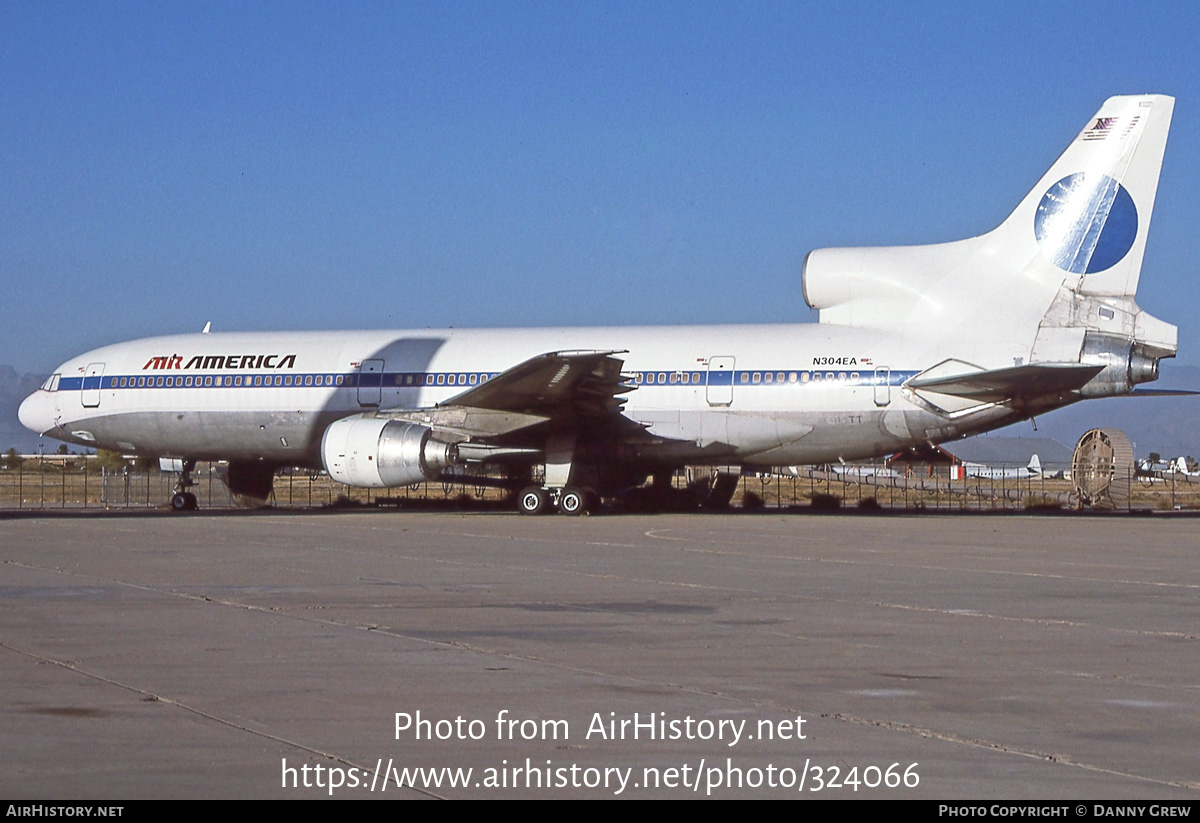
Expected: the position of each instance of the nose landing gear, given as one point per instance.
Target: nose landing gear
(183, 500)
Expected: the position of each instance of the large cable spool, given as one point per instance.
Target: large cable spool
(1102, 469)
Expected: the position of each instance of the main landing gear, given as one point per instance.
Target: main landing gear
(564, 485)
(570, 500)
(183, 500)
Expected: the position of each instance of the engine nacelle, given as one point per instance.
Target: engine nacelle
(877, 285)
(1125, 365)
(376, 452)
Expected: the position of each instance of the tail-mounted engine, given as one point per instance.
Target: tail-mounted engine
(1125, 364)
(377, 452)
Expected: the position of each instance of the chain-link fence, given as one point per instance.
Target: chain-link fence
(77, 482)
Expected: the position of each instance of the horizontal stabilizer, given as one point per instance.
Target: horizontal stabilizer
(1000, 385)
(1161, 393)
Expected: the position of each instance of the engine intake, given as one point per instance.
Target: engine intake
(374, 452)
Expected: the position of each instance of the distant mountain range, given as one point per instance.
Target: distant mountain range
(1167, 425)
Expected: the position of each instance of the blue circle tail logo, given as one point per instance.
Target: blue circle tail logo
(1086, 223)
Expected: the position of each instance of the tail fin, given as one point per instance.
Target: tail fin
(1063, 265)
(1035, 465)
(1091, 210)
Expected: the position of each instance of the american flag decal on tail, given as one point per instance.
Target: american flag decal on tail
(1100, 129)
(1105, 126)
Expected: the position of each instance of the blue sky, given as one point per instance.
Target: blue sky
(377, 165)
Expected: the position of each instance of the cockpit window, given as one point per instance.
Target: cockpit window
(51, 383)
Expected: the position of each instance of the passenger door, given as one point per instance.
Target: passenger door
(720, 380)
(370, 383)
(92, 378)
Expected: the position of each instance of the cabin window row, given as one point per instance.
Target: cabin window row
(747, 377)
(461, 379)
(468, 379)
(238, 380)
(651, 378)
(229, 380)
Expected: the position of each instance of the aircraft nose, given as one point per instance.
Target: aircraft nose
(34, 412)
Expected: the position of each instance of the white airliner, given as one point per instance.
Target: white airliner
(1180, 467)
(915, 345)
(1160, 470)
(987, 472)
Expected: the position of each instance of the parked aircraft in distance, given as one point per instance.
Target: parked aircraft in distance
(1154, 468)
(1162, 469)
(1180, 467)
(853, 471)
(915, 345)
(981, 470)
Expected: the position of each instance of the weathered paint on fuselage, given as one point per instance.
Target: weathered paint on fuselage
(800, 393)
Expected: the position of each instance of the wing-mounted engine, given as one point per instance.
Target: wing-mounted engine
(380, 452)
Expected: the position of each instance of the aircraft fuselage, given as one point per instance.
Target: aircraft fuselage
(754, 394)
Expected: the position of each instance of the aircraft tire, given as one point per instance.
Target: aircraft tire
(179, 502)
(533, 500)
(574, 501)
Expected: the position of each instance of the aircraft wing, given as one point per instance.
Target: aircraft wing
(1001, 385)
(578, 383)
(567, 387)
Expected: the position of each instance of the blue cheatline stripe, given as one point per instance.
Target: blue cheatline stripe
(742, 378)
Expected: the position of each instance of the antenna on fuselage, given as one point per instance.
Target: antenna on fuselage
(207, 326)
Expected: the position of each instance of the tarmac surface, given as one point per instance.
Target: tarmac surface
(977, 657)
